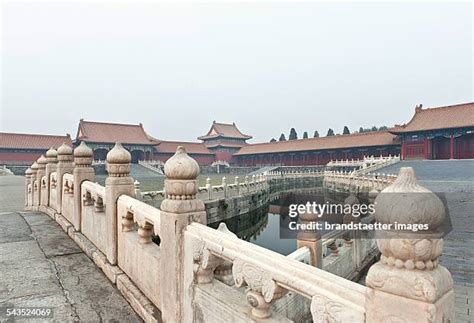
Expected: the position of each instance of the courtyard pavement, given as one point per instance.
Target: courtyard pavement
(40, 266)
(454, 178)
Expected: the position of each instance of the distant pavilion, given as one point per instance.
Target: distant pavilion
(224, 139)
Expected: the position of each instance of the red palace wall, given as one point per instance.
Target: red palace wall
(19, 158)
(439, 148)
(309, 158)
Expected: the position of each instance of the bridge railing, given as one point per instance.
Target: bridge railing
(138, 255)
(351, 182)
(172, 267)
(267, 275)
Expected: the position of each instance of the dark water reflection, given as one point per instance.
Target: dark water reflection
(262, 227)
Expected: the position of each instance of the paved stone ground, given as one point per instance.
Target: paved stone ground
(40, 266)
(454, 178)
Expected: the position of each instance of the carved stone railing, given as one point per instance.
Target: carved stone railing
(67, 209)
(350, 182)
(153, 165)
(267, 275)
(93, 214)
(139, 255)
(171, 267)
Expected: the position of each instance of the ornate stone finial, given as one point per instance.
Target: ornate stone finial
(42, 162)
(65, 153)
(28, 172)
(34, 168)
(83, 155)
(181, 172)
(52, 156)
(64, 149)
(406, 202)
(118, 161)
(181, 166)
(408, 271)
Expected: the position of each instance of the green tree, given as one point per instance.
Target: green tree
(316, 134)
(282, 137)
(346, 131)
(374, 128)
(293, 135)
(383, 128)
(273, 140)
(330, 132)
(305, 135)
(361, 130)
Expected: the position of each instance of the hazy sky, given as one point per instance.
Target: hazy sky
(268, 66)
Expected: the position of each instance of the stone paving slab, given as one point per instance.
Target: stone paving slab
(41, 266)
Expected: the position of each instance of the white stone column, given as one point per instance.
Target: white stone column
(52, 161)
(178, 210)
(65, 166)
(408, 284)
(28, 175)
(117, 183)
(83, 171)
(39, 175)
(34, 186)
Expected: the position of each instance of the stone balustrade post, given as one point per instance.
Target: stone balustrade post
(138, 193)
(408, 284)
(237, 185)
(311, 239)
(39, 176)
(224, 186)
(52, 161)
(179, 209)
(34, 186)
(28, 175)
(83, 171)
(65, 165)
(209, 187)
(119, 182)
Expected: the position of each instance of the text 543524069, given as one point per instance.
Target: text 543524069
(26, 312)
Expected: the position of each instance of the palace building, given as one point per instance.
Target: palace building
(18, 149)
(224, 140)
(102, 136)
(318, 151)
(434, 133)
(438, 133)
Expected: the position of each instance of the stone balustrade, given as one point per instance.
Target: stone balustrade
(351, 182)
(153, 165)
(170, 266)
(368, 164)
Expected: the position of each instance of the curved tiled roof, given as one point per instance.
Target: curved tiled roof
(191, 147)
(32, 141)
(367, 139)
(224, 130)
(90, 131)
(453, 116)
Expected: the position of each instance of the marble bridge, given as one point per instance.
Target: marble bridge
(200, 274)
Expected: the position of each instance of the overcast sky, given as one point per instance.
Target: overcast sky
(267, 67)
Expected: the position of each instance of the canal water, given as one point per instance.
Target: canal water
(261, 227)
